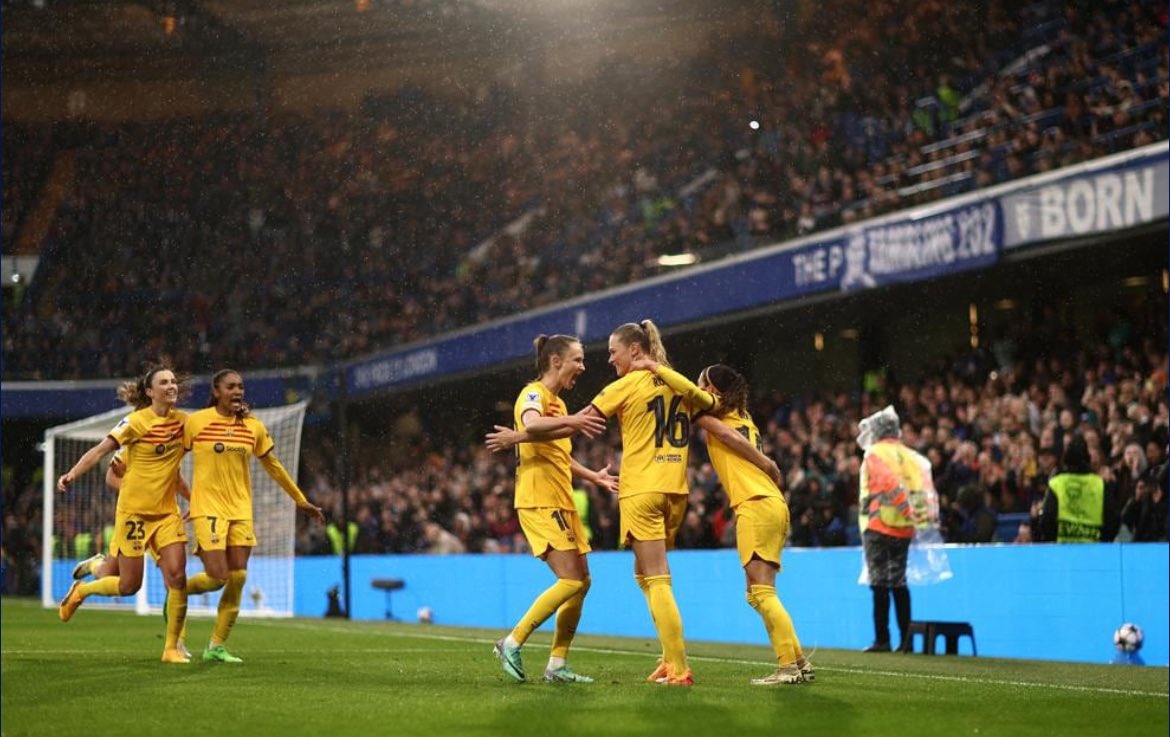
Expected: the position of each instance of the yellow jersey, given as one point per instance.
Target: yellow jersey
(223, 448)
(544, 476)
(739, 476)
(152, 448)
(656, 432)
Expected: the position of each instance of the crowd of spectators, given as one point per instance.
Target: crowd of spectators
(993, 423)
(297, 239)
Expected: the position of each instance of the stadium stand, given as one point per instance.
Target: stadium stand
(421, 215)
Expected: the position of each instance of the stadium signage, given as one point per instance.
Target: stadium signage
(396, 369)
(1083, 205)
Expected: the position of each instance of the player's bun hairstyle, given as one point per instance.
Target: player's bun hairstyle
(216, 378)
(134, 394)
(731, 386)
(645, 334)
(548, 346)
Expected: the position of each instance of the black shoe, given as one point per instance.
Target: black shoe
(877, 647)
(907, 646)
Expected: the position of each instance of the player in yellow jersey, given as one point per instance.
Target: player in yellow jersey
(147, 516)
(224, 437)
(751, 481)
(545, 506)
(655, 422)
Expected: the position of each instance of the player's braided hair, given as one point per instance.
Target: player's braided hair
(134, 393)
(645, 334)
(731, 386)
(548, 346)
(216, 378)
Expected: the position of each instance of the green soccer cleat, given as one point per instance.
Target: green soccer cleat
(564, 674)
(510, 659)
(219, 654)
(87, 566)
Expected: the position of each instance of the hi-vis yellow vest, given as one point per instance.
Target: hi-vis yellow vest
(1082, 504)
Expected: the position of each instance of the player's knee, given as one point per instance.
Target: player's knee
(176, 580)
(129, 585)
(238, 577)
(585, 584)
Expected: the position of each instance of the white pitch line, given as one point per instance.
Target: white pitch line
(736, 661)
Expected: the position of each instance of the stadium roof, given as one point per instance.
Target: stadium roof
(174, 29)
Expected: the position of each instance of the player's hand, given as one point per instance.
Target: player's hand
(644, 364)
(65, 480)
(503, 438)
(588, 424)
(312, 510)
(606, 480)
(774, 473)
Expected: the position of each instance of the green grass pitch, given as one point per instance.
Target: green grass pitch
(99, 675)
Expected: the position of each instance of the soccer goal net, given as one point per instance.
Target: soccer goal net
(80, 522)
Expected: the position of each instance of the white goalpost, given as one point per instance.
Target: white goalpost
(79, 522)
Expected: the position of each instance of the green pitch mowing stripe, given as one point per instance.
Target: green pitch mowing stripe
(99, 675)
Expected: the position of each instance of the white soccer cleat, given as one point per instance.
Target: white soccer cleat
(785, 674)
(87, 566)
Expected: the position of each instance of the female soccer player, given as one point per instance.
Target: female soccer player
(223, 436)
(655, 422)
(147, 516)
(544, 504)
(751, 481)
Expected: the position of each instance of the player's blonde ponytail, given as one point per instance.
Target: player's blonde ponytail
(645, 334)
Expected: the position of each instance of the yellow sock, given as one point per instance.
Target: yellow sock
(776, 620)
(176, 615)
(668, 622)
(645, 587)
(107, 586)
(229, 606)
(544, 606)
(568, 615)
(202, 583)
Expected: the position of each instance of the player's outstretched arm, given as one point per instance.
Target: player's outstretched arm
(276, 470)
(602, 479)
(696, 397)
(552, 428)
(740, 446)
(86, 462)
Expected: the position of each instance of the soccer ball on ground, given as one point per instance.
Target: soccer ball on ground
(1128, 638)
(425, 615)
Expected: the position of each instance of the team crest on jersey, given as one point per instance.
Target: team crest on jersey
(533, 396)
(218, 447)
(214, 538)
(137, 547)
(160, 449)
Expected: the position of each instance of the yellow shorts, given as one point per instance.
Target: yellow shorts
(761, 528)
(549, 528)
(114, 549)
(652, 516)
(217, 533)
(135, 534)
